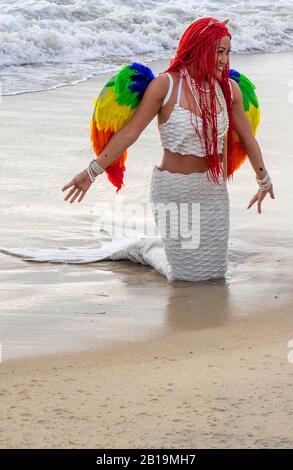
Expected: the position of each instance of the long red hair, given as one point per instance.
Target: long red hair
(196, 52)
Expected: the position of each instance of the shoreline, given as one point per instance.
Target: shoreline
(187, 328)
(226, 308)
(147, 62)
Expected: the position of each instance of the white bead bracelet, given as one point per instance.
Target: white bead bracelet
(264, 183)
(94, 169)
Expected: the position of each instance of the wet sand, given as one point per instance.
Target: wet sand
(168, 364)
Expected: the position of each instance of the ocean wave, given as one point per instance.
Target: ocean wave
(38, 32)
(98, 35)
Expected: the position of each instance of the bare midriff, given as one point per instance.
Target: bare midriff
(176, 162)
(185, 164)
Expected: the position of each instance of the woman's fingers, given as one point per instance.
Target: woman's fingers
(252, 201)
(81, 196)
(75, 195)
(258, 197)
(70, 193)
(259, 201)
(79, 186)
(271, 191)
(68, 185)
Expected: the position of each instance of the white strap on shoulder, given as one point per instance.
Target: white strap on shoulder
(170, 89)
(179, 88)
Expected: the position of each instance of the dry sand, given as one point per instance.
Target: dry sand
(220, 387)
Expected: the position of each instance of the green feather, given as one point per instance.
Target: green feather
(247, 89)
(121, 82)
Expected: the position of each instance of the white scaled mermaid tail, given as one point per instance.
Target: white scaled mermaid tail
(208, 258)
(132, 245)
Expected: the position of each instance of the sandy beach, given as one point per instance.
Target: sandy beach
(197, 387)
(111, 354)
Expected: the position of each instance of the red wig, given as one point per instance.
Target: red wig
(196, 52)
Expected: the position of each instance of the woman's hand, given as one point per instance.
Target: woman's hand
(80, 183)
(259, 196)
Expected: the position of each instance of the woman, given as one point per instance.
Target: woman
(197, 107)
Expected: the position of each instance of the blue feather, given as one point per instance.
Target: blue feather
(234, 75)
(141, 79)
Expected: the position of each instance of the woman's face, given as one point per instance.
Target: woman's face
(222, 55)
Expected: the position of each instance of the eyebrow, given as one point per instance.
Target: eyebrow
(222, 47)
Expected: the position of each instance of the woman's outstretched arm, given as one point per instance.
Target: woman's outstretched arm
(250, 144)
(148, 108)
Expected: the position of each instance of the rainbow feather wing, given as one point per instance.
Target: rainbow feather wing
(237, 154)
(114, 107)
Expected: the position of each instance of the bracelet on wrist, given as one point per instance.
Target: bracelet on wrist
(264, 183)
(96, 168)
(93, 170)
(91, 175)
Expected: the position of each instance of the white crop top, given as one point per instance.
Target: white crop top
(178, 134)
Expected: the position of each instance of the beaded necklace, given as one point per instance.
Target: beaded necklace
(219, 93)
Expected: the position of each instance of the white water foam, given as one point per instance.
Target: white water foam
(51, 43)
